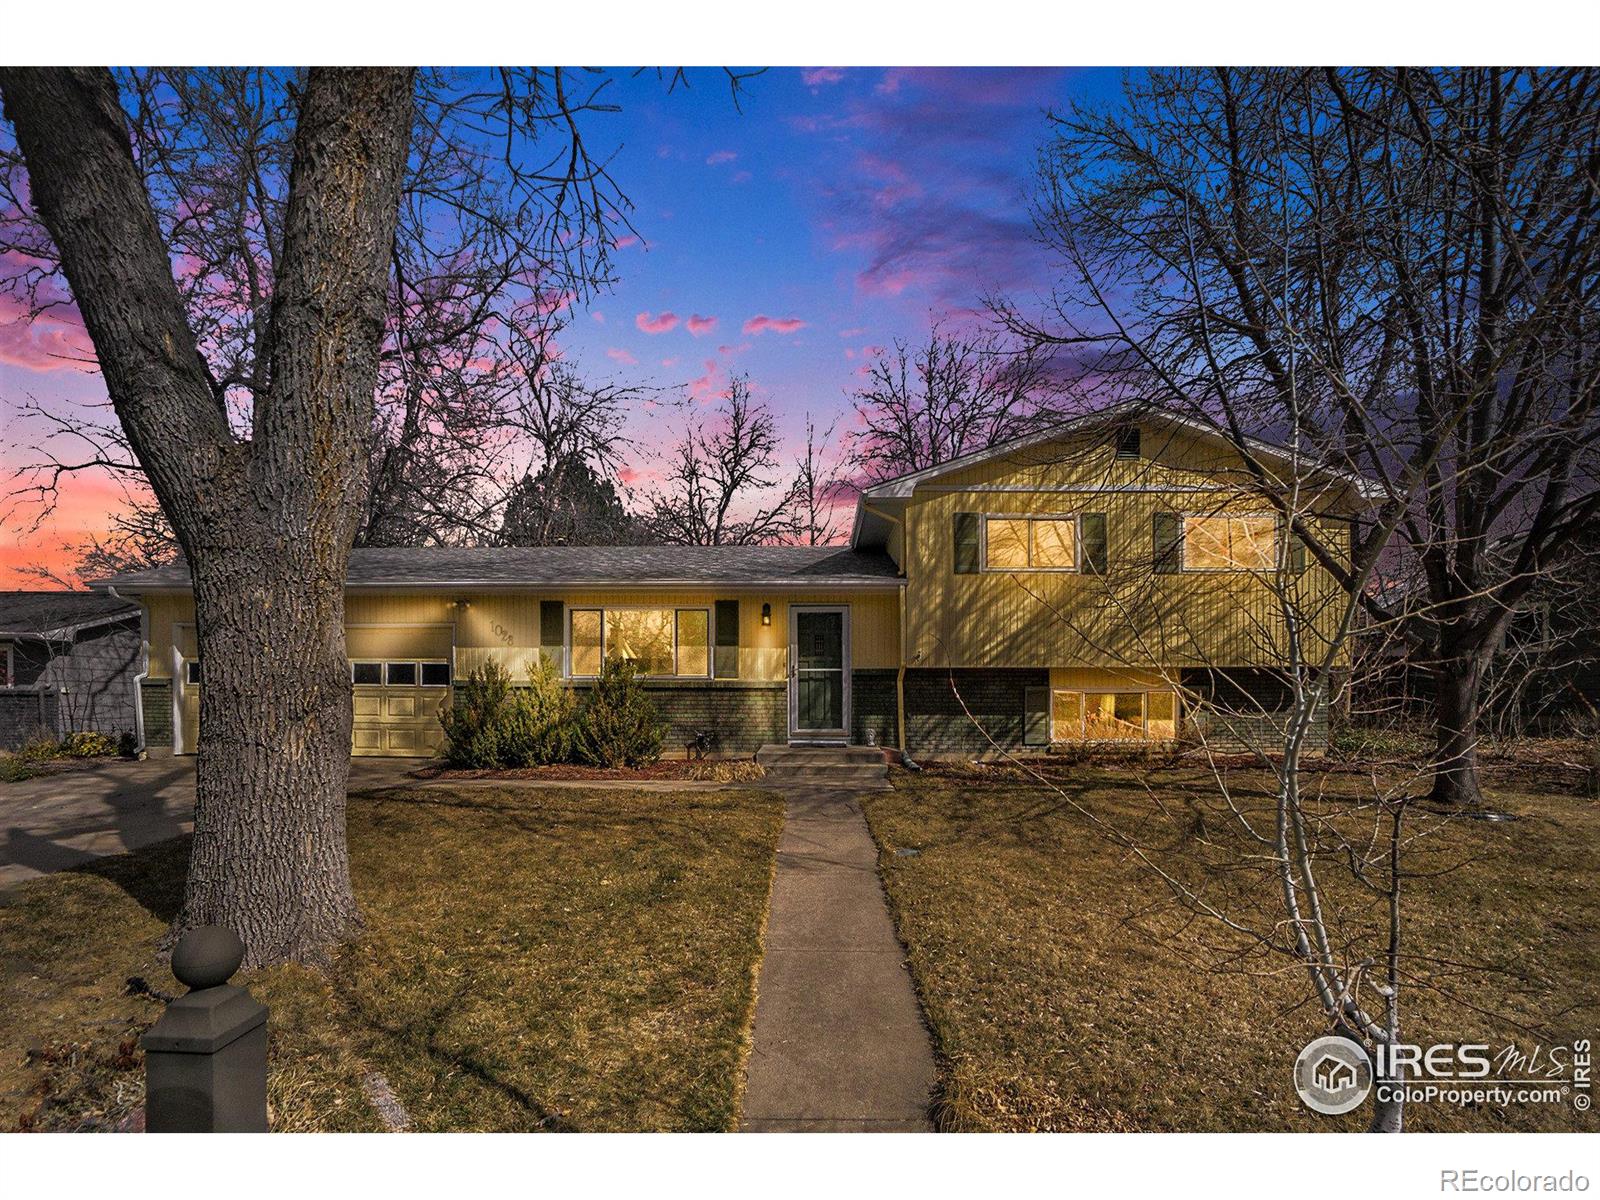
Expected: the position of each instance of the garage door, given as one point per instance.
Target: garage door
(401, 680)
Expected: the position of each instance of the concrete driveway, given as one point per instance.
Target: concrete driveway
(111, 807)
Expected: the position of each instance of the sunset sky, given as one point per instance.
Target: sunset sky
(839, 209)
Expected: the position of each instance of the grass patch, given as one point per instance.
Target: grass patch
(1067, 992)
(560, 959)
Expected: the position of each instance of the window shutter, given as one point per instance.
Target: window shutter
(1036, 716)
(1297, 554)
(966, 534)
(726, 664)
(1166, 543)
(1093, 528)
(552, 634)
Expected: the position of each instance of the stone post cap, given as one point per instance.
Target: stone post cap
(207, 957)
(213, 1014)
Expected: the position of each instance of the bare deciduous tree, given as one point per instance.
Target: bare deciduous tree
(819, 486)
(955, 393)
(722, 479)
(1390, 267)
(245, 382)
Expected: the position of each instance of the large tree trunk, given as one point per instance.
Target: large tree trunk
(269, 859)
(1455, 704)
(265, 521)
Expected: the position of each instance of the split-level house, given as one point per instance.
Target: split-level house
(1118, 577)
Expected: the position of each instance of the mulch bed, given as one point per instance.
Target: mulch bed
(668, 769)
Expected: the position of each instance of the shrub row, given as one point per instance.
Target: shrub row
(493, 724)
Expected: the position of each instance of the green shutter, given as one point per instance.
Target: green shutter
(1093, 527)
(726, 665)
(966, 533)
(552, 632)
(1166, 543)
(1297, 554)
(1036, 716)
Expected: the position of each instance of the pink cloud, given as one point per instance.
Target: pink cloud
(742, 177)
(698, 325)
(717, 157)
(617, 354)
(762, 323)
(52, 341)
(622, 243)
(891, 81)
(709, 385)
(599, 317)
(815, 76)
(657, 324)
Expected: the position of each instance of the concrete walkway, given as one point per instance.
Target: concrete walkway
(839, 1043)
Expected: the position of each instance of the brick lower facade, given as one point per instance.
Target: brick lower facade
(742, 715)
(156, 695)
(873, 712)
(938, 702)
(1245, 709)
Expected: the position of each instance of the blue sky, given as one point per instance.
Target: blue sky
(788, 239)
(854, 202)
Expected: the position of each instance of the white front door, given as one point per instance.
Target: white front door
(819, 672)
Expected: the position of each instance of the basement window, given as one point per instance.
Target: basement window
(1082, 716)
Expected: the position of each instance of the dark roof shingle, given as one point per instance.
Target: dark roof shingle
(576, 566)
(34, 614)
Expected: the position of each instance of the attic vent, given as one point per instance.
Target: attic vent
(1128, 441)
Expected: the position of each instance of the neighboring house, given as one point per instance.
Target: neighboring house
(69, 662)
(1068, 587)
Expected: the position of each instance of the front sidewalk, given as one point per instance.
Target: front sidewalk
(839, 1042)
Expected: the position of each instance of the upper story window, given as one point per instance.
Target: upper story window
(658, 641)
(1230, 542)
(1048, 543)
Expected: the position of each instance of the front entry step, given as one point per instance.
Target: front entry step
(841, 767)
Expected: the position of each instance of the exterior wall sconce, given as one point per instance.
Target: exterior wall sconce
(766, 614)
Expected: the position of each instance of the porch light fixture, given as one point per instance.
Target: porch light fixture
(766, 614)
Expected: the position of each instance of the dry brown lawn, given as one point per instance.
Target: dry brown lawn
(556, 959)
(1067, 991)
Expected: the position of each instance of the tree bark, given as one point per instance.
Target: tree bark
(266, 522)
(1455, 701)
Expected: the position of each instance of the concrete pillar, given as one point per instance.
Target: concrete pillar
(206, 1058)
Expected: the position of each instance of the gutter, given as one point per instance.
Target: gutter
(144, 670)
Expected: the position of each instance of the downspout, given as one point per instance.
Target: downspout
(900, 685)
(900, 670)
(144, 670)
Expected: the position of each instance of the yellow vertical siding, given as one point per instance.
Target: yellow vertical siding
(1131, 616)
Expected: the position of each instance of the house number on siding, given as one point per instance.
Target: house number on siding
(502, 633)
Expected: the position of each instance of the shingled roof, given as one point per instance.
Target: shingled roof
(59, 614)
(586, 566)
